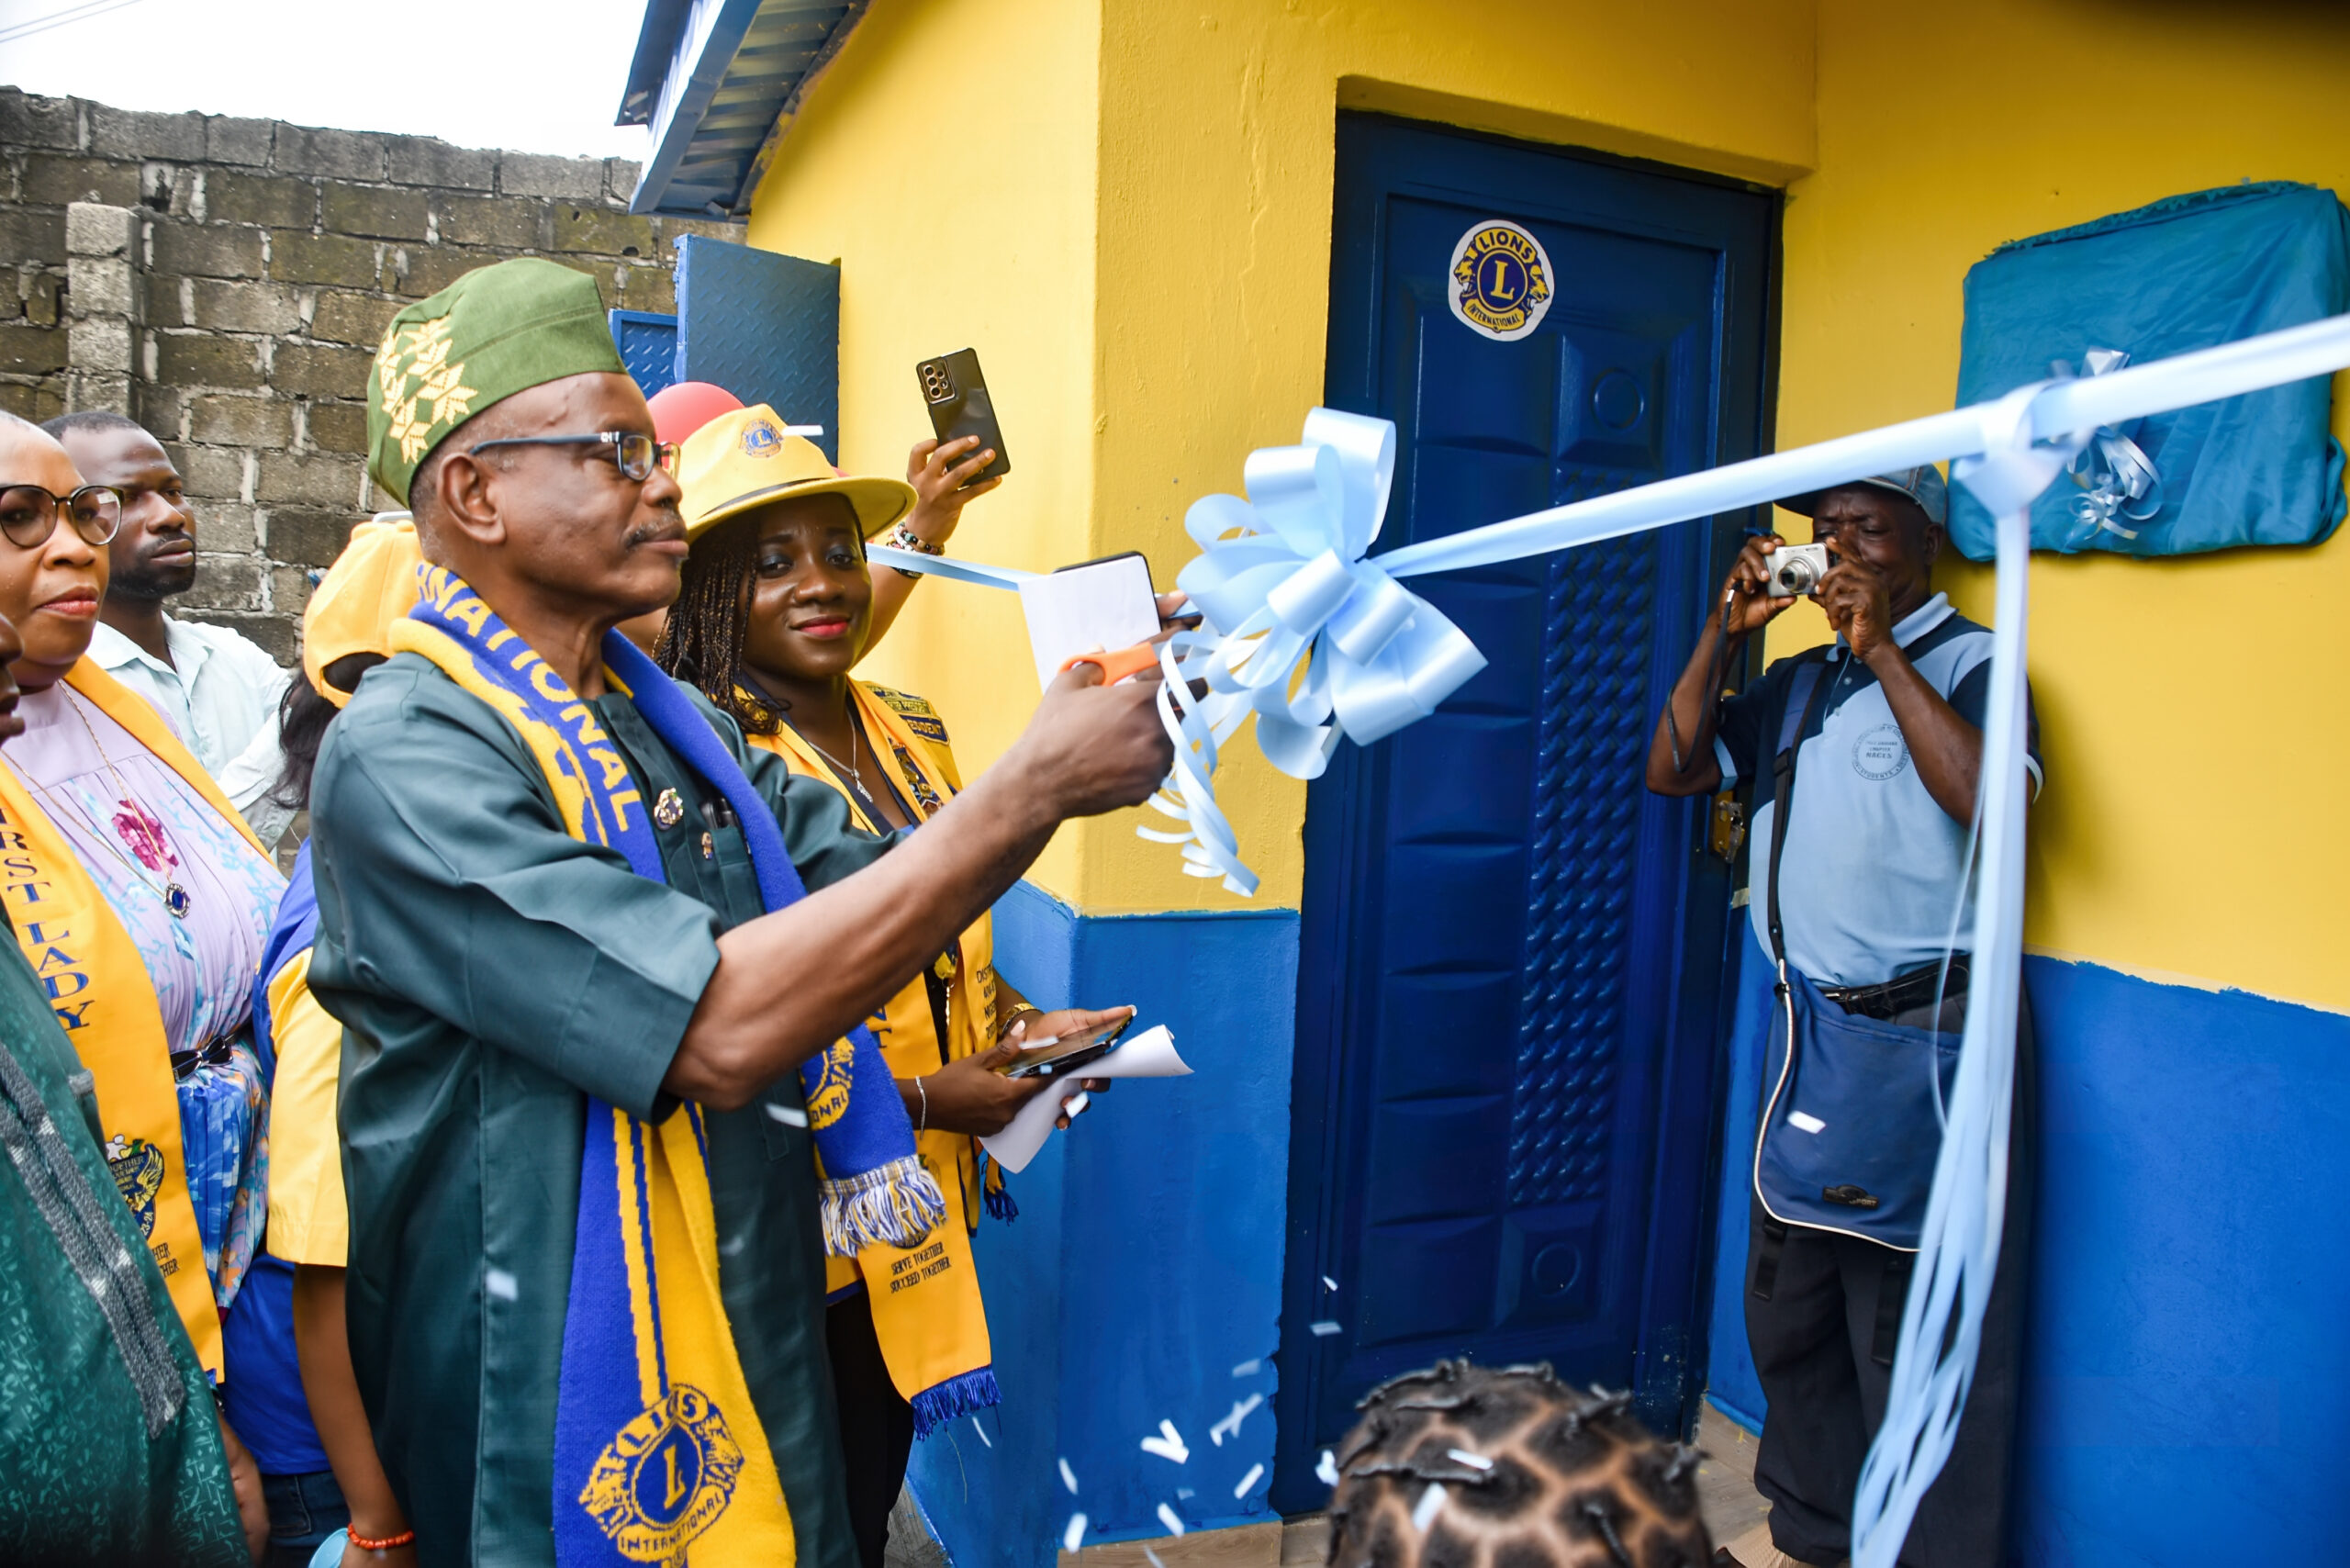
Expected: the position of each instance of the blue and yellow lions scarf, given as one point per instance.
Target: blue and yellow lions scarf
(657, 1441)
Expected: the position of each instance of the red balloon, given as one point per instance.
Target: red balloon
(681, 410)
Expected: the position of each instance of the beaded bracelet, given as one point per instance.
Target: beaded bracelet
(904, 538)
(388, 1543)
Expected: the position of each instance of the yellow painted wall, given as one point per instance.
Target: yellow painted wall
(1145, 267)
(946, 160)
(2187, 706)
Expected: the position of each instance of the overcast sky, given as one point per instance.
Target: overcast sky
(539, 75)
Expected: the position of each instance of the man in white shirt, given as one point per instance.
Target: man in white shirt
(215, 688)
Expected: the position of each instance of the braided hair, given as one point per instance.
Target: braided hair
(702, 643)
(1465, 1467)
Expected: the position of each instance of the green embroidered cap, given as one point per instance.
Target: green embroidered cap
(497, 330)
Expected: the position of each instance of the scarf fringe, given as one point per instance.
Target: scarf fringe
(896, 1205)
(993, 1193)
(965, 1394)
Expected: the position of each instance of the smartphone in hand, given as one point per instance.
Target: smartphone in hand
(959, 405)
(1064, 1055)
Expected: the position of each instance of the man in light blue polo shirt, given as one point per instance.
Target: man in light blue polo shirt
(1885, 725)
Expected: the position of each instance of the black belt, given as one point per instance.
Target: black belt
(1902, 994)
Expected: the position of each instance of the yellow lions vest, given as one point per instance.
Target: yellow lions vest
(927, 1313)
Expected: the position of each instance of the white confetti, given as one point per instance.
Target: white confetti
(984, 1439)
(1804, 1121)
(1184, 1494)
(1430, 1501)
(1327, 1470)
(1324, 1328)
(1155, 1563)
(1328, 1284)
(1462, 1456)
(1231, 1423)
(501, 1284)
(1249, 1369)
(1170, 1446)
(1069, 1478)
(786, 1115)
(1075, 1533)
(1256, 1474)
(734, 1249)
(1167, 1517)
(1074, 1106)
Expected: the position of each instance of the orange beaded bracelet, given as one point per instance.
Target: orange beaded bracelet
(405, 1537)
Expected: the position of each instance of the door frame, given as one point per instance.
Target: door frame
(1669, 1359)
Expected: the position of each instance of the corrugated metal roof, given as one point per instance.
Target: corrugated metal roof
(712, 78)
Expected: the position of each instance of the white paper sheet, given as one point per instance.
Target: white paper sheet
(1105, 606)
(1150, 1054)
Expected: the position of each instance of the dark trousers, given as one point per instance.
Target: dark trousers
(1823, 1341)
(303, 1511)
(876, 1423)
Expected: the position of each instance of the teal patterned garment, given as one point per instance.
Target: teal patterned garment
(110, 1446)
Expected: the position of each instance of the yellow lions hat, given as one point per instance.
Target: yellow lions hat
(743, 460)
(371, 585)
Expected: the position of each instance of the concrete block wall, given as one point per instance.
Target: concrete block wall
(226, 281)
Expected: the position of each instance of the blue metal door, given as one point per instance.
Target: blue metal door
(1511, 952)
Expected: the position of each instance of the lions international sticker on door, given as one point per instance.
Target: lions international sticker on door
(1501, 281)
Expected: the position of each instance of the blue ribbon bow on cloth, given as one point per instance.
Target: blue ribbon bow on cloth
(2117, 478)
(1299, 628)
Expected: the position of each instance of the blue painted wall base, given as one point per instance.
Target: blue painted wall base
(2186, 1344)
(1146, 1263)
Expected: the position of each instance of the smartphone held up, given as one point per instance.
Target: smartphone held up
(957, 395)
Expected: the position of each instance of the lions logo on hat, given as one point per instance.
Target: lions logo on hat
(138, 1168)
(761, 439)
(1500, 285)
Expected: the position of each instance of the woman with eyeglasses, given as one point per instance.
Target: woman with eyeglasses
(142, 903)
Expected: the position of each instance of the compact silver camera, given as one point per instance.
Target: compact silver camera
(1797, 569)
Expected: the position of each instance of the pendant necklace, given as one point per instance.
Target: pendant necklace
(849, 766)
(174, 897)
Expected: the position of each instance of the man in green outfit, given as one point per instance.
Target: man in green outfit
(111, 1445)
(513, 992)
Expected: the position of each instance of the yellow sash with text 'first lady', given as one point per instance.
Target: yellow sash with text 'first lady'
(98, 985)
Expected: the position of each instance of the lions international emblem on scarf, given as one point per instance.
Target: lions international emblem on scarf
(828, 1102)
(1501, 281)
(138, 1168)
(664, 1477)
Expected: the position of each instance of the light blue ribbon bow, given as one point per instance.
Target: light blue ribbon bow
(1299, 628)
(2117, 478)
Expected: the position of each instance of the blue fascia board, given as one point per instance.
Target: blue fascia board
(656, 44)
(713, 33)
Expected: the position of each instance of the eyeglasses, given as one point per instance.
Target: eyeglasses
(29, 513)
(637, 455)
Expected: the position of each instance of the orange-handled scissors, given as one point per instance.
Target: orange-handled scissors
(1117, 666)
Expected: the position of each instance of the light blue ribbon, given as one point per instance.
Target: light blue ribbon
(2117, 478)
(1298, 627)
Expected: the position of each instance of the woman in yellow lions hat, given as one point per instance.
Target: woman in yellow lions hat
(776, 609)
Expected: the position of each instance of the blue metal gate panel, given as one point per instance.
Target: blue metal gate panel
(648, 345)
(1510, 952)
(766, 328)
